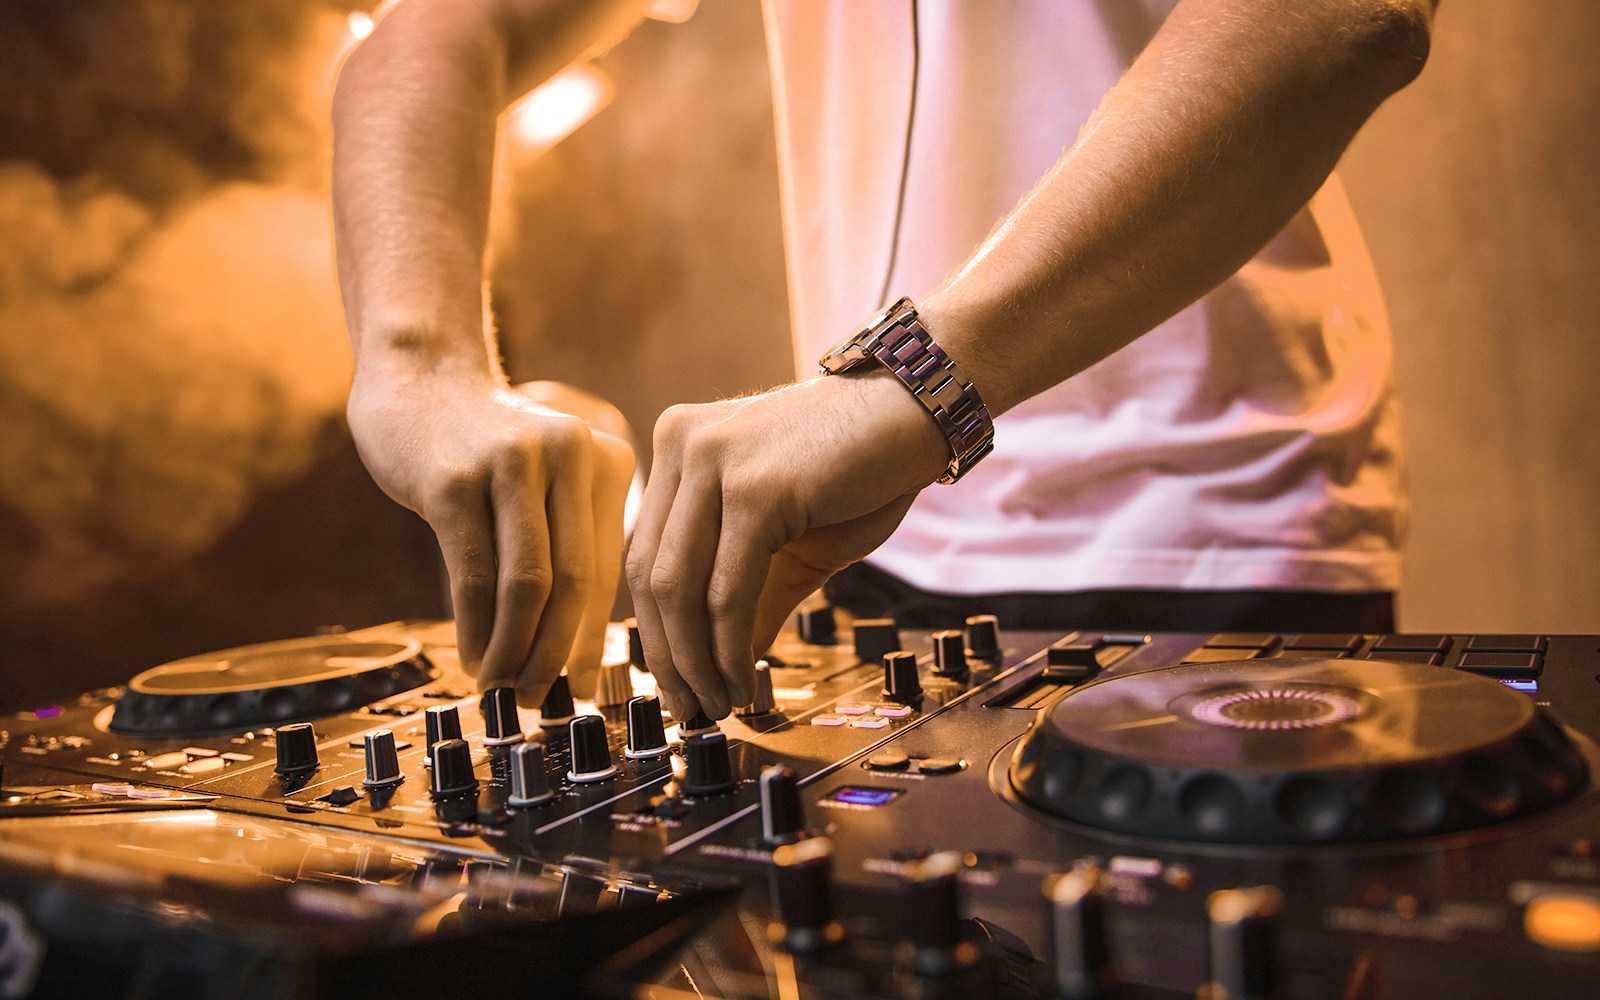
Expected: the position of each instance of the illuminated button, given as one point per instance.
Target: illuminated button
(852, 709)
(148, 793)
(869, 722)
(893, 711)
(207, 765)
(111, 788)
(199, 752)
(167, 759)
(1563, 921)
(238, 758)
(828, 720)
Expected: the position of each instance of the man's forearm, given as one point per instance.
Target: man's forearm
(1225, 126)
(415, 113)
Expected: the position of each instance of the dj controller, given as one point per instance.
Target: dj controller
(963, 813)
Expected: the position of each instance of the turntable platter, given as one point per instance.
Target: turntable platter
(270, 683)
(1305, 752)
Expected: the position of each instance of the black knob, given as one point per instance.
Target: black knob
(501, 726)
(530, 786)
(901, 682)
(933, 915)
(801, 883)
(1243, 966)
(452, 769)
(765, 701)
(817, 625)
(1079, 947)
(710, 769)
(635, 645)
(875, 638)
(699, 722)
(983, 637)
(647, 735)
(297, 748)
(950, 654)
(441, 722)
(557, 709)
(783, 817)
(591, 753)
(383, 763)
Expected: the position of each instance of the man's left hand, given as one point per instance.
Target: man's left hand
(752, 504)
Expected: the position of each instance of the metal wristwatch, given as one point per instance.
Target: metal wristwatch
(897, 340)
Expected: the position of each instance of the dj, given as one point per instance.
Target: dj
(1177, 319)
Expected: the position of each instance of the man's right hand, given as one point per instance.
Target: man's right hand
(527, 504)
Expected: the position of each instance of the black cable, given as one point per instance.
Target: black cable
(905, 162)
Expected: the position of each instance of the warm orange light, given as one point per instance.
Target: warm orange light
(671, 11)
(557, 108)
(360, 23)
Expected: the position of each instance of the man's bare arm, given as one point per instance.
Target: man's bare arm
(1224, 127)
(526, 502)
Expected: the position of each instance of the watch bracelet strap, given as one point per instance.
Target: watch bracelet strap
(904, 346)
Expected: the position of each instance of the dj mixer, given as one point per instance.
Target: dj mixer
(972, 812)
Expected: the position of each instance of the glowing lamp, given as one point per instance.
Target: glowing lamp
(556, 108)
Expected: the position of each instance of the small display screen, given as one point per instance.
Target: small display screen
(1530, 687)
(855, 795)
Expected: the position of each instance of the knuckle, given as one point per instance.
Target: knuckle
(722, 599)
(672, 425)
(666, 584)
(528, 581)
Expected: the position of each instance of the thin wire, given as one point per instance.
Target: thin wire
(905, 161)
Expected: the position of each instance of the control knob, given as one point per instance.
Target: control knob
(530, 786)
(297, 749)
(501, 726)
(615, 686)
(901, 682)
(710, 768)
(933, 915)
(635, 646)
(452, 769)
(591, 754)
(765, 702)
(1079, 947)
(983, 637)
(817, 625)
(557, 710)
(1243, 966)
(875, 638)
(783, 817)
(950, 654)
(801, 883)
(647, 735)
(440, 723)
(383, 762)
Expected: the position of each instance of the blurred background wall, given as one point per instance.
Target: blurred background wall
(175, 475)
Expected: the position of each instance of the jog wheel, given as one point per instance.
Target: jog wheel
(1318, 751)
(269, 684)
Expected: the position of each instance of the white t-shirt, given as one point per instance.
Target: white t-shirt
(1250, 441)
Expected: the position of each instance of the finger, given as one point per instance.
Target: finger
(570, 507)
(744, 553)
(462, 524)
(522, 540)
(789, 581)
(680, 581)
(676, 696)
(613, 477)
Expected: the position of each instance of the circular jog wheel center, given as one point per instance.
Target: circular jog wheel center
(1312, 751)
(270, 683)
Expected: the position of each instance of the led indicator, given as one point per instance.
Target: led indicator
(854, 795)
